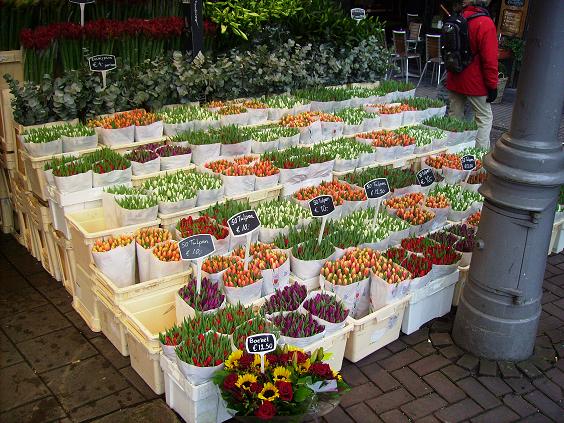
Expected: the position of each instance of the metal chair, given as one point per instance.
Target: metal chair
(414, 35)
(403, 54)
(433, 56)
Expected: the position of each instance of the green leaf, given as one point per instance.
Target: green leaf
(302, 393)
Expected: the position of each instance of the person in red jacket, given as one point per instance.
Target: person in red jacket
(477, 83)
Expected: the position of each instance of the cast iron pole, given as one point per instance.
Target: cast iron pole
(500, 307)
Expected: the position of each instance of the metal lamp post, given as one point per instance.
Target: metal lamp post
(499, 311)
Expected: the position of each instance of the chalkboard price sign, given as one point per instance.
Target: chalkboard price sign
(244, 222)
(261, 343)
(377, 188)
(321, 206)
(196, 247)
(358, 14)
(102, 63)
(425, 177)
(468, 162)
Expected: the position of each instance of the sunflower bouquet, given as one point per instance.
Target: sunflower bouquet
(292, 383)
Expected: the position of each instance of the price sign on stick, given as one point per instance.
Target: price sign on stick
(102, 63)
(82, 4)
(261, 344)
(244, 223)
(425, 177)
(196, 247)
(358, 14)
(468, 162)
(322, 206)
(377, 188)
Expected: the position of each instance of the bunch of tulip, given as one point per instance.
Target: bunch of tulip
(397, 178)
(328, 117)
(216, 264)
(252, 327)
(392, 109)
(311, 250)
(172, 150)
(362, 218)
(205, 350)
(417, 245)
(417, 266)
(53, 133)
(404, 201)
(465, 245)
(254, 104)
(354, 115)
(244, 160)
(441, 254)
(123, 190)
(477, 152)
(460, 199)
(110, 164)
(258, 248)
(343, 148)
(228, 168)
(415, 215)
(222, 212)
(236, 276)
(385, 138)
(287, 299)
(423, 136)
(389, 271)
(301, 120)
(338, 190)
(271, 133)
(136, 202)
(227, 319)
(326, 307)
(462, 230)
(214, 104)
(141, 155)
(138, 117)
(168, 185)
(474, 219)
(101, 246)
(171, 194)
(167, 251)
(423, 103)
(297, 325)
(149, 237)
(353, 267)
(443, 237)
(232, 110)
(451, 123)
(69, 167)
(210, 296)
(183, 114)
(280, 213)
(438, 201)
(323, 94)
(189, 226)
(281, 101)
(298, 235)
(269, 259)
(171, 337)
(452, 161)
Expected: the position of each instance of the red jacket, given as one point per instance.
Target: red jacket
(481, 74)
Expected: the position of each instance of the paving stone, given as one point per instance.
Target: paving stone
(498, 415)
(400, 360)
(549, 323)
(444, 387)
(428, 419)
(429, 364)
(496, 385)
(536, 418)
(23, 299)
(413, 383)
(549, 388)
(442, 325)
(458, 412)
(26, 264)
(361, 413)
(424, 348)
(441, 339)
(138, 383)
(548, 297)
(529, 369)
(110, 352)
(337, 415)
(56, 349)
(60, 298)
(89, 380)
(151, 412)
(394, 416)
(8, 353)
(423, 406)
(478, 393)
(520, 386)
(389, 401)
(545, 405)
(33, 323)
(416, 337)
(360, 393)
(519, 405)
(451, 352)
(43, 282)
(508, 369)
(19, 386)
(353, 376)
(43, 410)
(375, 357)
(557, 376)
(380, 377)
(468, 361)
(487, 368)
(556, 335)
(122, 399)
(455, 372)
(554, 310)
(396, 346)
(81, 325)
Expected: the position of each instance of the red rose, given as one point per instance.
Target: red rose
(272, 359)
(266, 411)
(256, 387)
(285, 391)
(246, 361)
(229, 381)
(302, 357)
(322, 370)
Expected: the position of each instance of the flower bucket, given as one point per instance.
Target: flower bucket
(119, 136)
(72, 144)
(244, 295)
(117, 264)
(152, 131)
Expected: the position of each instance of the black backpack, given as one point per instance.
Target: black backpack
(456, 42)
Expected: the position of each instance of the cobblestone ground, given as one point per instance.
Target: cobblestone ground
(54, 369)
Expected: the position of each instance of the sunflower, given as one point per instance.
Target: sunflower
(233, 360)
(269, 392)
(303, 367)
(257, 361)
(281, 374)
(245, 381)
(292, 348)
(337, 376)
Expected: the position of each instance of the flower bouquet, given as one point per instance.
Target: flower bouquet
(70, 174)
(240, 285)
(187, 118)
(272, 138)
(252, 327)
(43, 141)
(147, 126)
(458, 130)
(236, 179)
(109, 168)
(204, 145)
(426, 139)
(145, 240)
(347, 152)
(401, 181)
(474, 219)
(166, 261)
(174, 156)
(77, 137)
(189, 301)
(418, 266)
(284, 104)
(274, 266)
(174, 192)
(307, 123)
(294, 384)
(136, 209)
(427, 107)
(115, 257)
(199, 357)
(257, 111)
(189, 226)
(143, 161)
(308, 258)
(277, 216)
(267, 175)
(388, 145)
(285, 300)
(356, 120)
(298, 329)
(327, 309)
(117, 129)
(214, 267)
(169, 340)
(463, 202)
(233, 115)
(331, 126)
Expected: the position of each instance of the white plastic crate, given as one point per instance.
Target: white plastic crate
(375, 331)
(84, 299)
(335, 344)
(195, 404)
(459, 287)
(431, 301)
(557, 237)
